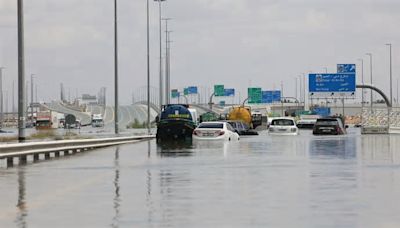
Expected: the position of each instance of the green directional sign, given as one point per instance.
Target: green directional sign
(219, 90)
(255, 95)
(186, 91)
(174, 93)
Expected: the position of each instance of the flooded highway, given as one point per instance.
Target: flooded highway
(260, 181)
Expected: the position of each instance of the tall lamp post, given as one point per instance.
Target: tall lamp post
(32, 76)
(167, 89)
(362, 81)
(116, 127)
(370, 65)
(161, 65)
(21, 73)
(148, 69)
(1, 98)
(391, 85)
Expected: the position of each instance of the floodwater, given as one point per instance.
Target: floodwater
(261, 181)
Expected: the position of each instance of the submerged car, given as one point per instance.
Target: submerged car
(241, 128)
(329, 126)
(283, 126)
(213, 131)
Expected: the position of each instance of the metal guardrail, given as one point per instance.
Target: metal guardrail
(22, 150)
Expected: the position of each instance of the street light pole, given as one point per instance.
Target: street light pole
(161, 102)
(148, 70)
(1, 98)
(300, 90)
(362, 82)
(370, 63)
(21, 73)
(296, 88)
(32, 76)
(116, 127)
(167, 89)
(391, 85)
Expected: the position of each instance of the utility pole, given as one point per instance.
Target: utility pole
(32, 97)
(370, 62)
(161, 102)
(13, 96)
(116, 127)
(148, 69)
(1, 98)
(362, 82)
(21, 73)
(391, 81)
(167, 89)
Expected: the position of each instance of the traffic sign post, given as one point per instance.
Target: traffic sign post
(192, 90)
(229, 92)
(175, 93)
(269, 97)
(339, 85)
(255, 95)
(219, 90)
(346, 68)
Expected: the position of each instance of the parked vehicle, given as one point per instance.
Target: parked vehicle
(175, 123)
(329, 126)
(283, 126)
(241, 128)
(215, 131)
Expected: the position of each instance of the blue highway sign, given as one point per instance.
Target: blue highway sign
(346, 68)
(332, 85)
(229, 92)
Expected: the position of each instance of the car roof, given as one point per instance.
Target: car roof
(283, 118)
(213, 122)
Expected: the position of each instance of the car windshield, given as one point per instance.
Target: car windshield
(282, 122)
(327, 122)
(212, 125)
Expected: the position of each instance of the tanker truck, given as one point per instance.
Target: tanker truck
(245, 115)
(175, 123)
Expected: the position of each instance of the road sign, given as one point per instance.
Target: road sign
(219, 90)
(70, 119)
(332, 85)
(346, 68)
(185, 91)
(276, 96)
(192, 90)
(229, 92)
(174, 93)
(255, 95)
(271, 96)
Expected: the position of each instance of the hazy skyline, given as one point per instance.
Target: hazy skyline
(237, 43)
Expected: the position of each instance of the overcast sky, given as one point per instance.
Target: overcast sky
(233, 42)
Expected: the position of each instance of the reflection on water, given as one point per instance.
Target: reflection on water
(117, 197)
(303, 181)
(175, 148)
(381, 148)
(21, 204)
(337, 147)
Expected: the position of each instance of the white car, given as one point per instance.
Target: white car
(283, 126)
(215, 131)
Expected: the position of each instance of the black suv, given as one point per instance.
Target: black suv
(329, 126)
